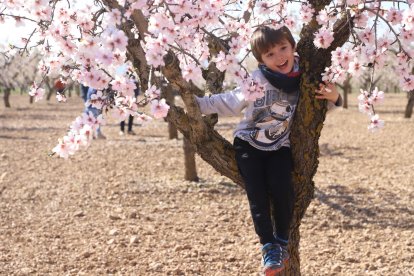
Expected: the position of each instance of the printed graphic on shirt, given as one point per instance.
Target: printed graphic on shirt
(272, 115)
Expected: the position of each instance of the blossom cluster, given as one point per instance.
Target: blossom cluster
(252, 89)
(87, 45)
(366, 101)
(80, 134)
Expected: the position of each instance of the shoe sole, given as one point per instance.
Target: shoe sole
(273, 271)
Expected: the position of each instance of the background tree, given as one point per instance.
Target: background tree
(175, 39)
(410, 104)
(17, 72)
(346, 90)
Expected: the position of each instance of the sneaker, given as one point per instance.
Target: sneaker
(272, 259)
(285, 255)
(131, 132)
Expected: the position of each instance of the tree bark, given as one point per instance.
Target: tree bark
(347, 90)
(6, 97)
(170, 98)
(50, 89)
(307, 125)
(77, 89)
(410, 105)
(189, 161)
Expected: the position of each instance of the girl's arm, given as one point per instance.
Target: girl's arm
(224, 104)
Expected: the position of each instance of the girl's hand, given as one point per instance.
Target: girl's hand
(327, 92)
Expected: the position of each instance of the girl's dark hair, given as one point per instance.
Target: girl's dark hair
(264, 38)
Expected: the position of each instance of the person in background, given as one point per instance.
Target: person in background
(96, 112)
(84, 92)
(130, 118)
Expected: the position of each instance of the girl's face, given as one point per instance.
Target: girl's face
(280, 58)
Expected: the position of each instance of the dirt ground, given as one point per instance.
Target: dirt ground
(122, 207)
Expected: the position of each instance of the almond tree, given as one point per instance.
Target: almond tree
(17, 72)
(410, 103)
(183, 40)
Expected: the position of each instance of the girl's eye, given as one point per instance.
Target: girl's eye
(284, 47)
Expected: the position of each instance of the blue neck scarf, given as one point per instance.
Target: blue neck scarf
(287, 82)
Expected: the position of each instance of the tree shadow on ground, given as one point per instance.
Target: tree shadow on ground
(41, 129)
(365, 206)
(15, 138)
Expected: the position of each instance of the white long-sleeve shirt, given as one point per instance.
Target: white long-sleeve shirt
(267, 121)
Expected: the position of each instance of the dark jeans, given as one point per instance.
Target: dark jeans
(130, 122)
(267, 176)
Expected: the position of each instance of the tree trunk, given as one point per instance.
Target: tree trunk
(189, 161)
(6, 97)
(347, 90)
(169, 96)
(77, 89)
(31, 99)
(410, 105)
(307, 126)
(50, 89)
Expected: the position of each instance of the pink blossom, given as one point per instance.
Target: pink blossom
(407, 83)
(62, 149)
(19, 22)
(97, 100)
(119, 113)
(323, 17)
(367, 36)
(114, 17)
(376, 96)
(191, 72)
(36, 92)
(323, 38)
(142, 118)
(355, 67)
(152, 92)
(361, 20)
(408, 18)
(220, 61)
(393, 15)
(155, 52)
(105, 57)
(60, 97)
(407, 35)
(264, 8)
(116, 40)
(159, 108)
(252, 89)
(138, 4)
(364, 104)
(289, 22)
(86, 134)
(376, 123)
(306, 15)
(352, 2)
